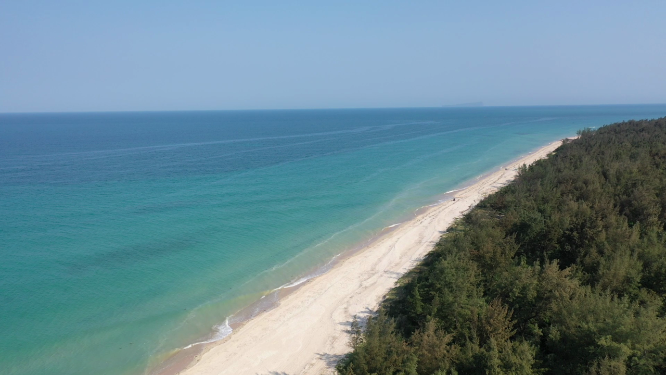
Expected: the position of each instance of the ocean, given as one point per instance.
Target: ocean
(127, 236)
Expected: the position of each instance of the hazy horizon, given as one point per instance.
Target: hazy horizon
(126, 57)
(454, 106)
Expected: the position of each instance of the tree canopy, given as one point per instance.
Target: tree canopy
(563, 271)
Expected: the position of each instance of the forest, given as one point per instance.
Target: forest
(562, 271)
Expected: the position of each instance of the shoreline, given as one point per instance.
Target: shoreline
(276, 335)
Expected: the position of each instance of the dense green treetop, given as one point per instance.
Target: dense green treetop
(563, 271)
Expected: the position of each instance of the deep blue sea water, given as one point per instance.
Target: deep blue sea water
(124, 236)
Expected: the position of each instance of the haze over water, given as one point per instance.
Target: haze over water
(124, 236)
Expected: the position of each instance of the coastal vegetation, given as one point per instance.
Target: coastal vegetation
(563, 271)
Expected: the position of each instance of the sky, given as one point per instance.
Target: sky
(69, 56)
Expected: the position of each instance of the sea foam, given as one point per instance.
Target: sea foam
(219, 332)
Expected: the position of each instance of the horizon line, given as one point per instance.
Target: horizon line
(445, 107)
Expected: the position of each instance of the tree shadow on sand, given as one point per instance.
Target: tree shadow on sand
(361, 317)
(330, 359)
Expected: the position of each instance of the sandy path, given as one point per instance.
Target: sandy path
(306, 333)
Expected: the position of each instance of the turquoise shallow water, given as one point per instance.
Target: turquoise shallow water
(124, 236)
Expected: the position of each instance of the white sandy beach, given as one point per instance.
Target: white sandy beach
(306, 333)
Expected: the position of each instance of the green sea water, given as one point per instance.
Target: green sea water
(125, 236)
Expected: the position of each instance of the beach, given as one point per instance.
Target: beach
(202, 188)
(306, 332)
(136, 263)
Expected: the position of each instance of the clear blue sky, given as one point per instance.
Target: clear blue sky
(167, 55)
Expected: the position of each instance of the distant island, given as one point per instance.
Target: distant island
(472, 104)
(562, 271)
